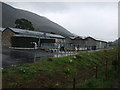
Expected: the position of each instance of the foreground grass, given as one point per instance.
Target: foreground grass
(101, 81)
(59, 72)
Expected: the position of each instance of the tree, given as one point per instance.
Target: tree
(24, 24)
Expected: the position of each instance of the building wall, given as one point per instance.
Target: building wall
(60, 41)
(79, 44)
(101, 45)
(6, 37)
(24, 42)
(91, 42)
(68, 40)
(0, 38)
(67, 43)
(104, 45)
(75, 44)
(77, 41)
(98, 44)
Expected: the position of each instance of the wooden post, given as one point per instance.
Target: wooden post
(106, 74)
(74, 83)
(70, 49)
(57, 50)
(96, 70)
(114, 64)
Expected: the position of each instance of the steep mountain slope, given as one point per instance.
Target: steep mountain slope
(10, 14)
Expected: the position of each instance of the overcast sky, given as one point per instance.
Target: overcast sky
(96, 19)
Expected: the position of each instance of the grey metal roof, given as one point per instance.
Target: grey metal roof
(21, 35)
(34, 33)
(23, 31)
(54, 35)
(82, 37)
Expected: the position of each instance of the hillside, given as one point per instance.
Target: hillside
(40, 23)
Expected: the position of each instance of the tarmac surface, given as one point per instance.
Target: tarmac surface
(15, 57)
(10, 57)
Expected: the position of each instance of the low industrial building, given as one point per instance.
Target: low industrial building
(84, 43)
(93, 44)
(101, 44)
(13, 37)
(75, 43)
(20, 38)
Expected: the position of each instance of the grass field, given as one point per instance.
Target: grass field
(90, 70)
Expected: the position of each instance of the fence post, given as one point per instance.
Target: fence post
(96, 70)
(106, 74)
(74, 83)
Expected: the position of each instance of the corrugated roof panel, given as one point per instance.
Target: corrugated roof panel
(28, 32)
(54, 35)
(19, 35)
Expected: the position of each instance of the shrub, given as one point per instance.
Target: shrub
(77, 57)
(70, 61)
(67, 71)
(50, 59)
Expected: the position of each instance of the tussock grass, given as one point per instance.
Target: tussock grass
(52, 72)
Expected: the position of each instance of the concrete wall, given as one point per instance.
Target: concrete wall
(75, 43)
(79, 44)
(0, 47)
(68, 40)
(0, 38)
(78, 41)
(101, 45)
(6, 37)
(90, 43)
(104, 44)
(98, 45)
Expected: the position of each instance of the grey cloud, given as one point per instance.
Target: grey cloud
(40, 6)
(96, 19)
